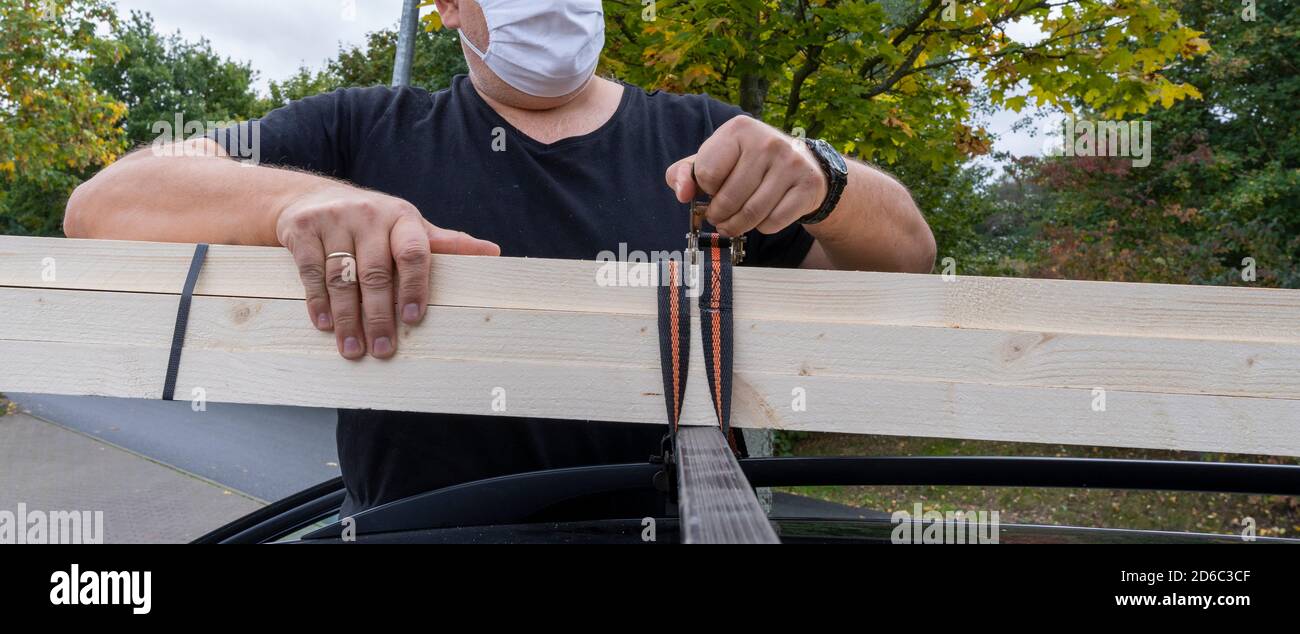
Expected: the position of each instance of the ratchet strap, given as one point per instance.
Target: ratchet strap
(182, 320)
(715, 323)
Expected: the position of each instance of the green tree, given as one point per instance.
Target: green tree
(886, 78)
(161, 77)
(1224, 181)
(438, 58)
(55, 126)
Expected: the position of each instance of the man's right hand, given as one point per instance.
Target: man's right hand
(392, 243)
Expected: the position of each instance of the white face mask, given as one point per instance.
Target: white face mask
(545, 49)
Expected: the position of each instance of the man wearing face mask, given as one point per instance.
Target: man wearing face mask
(531, 154)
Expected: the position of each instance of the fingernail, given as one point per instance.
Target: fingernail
(383, 347)
(323, 321)
(351, 346)
(411, 313)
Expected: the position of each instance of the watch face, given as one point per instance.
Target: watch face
(836, 161)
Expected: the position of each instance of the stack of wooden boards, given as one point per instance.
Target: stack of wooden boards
(1176, 367)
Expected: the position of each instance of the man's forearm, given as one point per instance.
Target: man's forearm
(875, 227)
(203, 197)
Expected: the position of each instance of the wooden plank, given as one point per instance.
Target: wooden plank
(628, 394)
(792, 349)
(539, 330)
(1056, 306)
(601, 367)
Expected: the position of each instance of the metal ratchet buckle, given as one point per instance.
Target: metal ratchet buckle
(698, 211)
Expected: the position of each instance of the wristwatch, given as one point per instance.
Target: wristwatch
(837, 177)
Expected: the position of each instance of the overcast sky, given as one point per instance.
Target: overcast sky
(279, 36)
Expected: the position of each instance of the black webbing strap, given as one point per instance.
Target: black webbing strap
(182, 320)
(716, 327)
(674, 336)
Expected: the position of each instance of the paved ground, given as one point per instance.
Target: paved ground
(265, 452)
(51, 468)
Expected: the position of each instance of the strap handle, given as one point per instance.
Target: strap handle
(182, 320)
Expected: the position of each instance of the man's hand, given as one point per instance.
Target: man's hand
(759, 178)
(392, 243)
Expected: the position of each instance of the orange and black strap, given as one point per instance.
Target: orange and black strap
(716, 327)
(674, 336)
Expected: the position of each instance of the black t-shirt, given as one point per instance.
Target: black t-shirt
(570, 199)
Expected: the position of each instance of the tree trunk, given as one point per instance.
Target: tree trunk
(753, 94)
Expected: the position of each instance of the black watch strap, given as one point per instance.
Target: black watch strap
(836, 180)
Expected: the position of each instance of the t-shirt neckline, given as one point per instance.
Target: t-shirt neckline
(463, 83)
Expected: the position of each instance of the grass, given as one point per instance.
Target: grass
(1277, 516)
